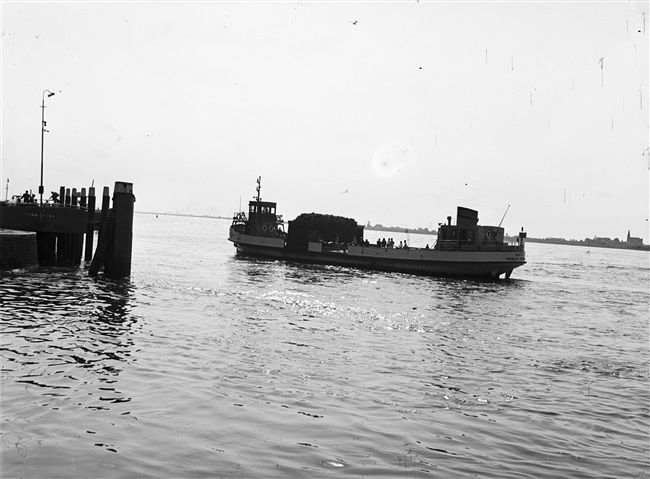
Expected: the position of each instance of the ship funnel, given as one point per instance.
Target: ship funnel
(466, 217)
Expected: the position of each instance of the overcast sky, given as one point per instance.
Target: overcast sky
(388, 112)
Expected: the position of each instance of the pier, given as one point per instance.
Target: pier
(60, 226)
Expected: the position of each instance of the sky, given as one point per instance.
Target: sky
(386, 112)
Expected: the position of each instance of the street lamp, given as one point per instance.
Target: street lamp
(49, 94)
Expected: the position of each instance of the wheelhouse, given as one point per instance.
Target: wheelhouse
(467, 234)
(262, 218)
(261, 211)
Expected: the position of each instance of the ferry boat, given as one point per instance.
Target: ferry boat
(465, 249)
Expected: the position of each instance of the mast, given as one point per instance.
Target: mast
(257, 208)
(259, 187)
(504, 216)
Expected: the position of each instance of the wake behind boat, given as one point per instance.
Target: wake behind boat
(465, 249)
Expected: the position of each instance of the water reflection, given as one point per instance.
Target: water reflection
(112, 300)
(250, 268)
(66, 336)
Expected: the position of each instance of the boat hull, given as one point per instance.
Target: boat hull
(479, 264)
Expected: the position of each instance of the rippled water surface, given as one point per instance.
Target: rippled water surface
(204, 364)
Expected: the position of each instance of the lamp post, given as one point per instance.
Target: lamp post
(49, 94)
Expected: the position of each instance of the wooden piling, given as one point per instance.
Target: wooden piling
(115, 243)
(67, 253)
(106, 203)
(60, 244)
(46, 244)
(78, 201)
(78, 247)
(90, 230)
(100, 259)
(119, 262)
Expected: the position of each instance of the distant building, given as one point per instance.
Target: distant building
(631, 240)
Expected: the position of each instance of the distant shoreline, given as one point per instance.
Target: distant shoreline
(592, 243)
(185, 215)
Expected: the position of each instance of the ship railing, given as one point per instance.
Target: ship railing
(458, 245)
(448, 245)
(61, 205)
(46, 204)
(334, 246)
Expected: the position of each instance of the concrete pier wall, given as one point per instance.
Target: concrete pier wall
(18, 249)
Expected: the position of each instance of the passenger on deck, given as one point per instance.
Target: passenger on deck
(400, 244)
(391, 243)
(383, 242)
(366, 243)
(378, 243)
(27, 198)
(405, 245)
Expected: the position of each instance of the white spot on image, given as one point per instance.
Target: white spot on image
(390, 159)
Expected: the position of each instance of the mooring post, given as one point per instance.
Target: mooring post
(90, 229)
(106, 203)
(59, 236)
(75, 241)
(79, 237)
(70, 201)
(119, 261)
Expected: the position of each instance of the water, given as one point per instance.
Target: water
(208, 365)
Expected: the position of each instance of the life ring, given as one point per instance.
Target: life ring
(263, 227)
